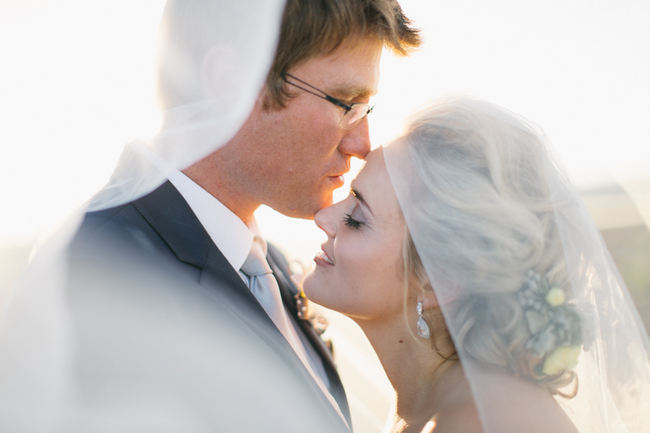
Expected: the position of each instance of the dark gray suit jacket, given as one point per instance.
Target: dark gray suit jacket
(143, 265)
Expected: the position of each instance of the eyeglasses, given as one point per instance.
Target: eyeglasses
(352, 113)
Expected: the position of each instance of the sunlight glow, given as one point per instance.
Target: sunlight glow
(430, 426)
(76, 85)
(80, 83)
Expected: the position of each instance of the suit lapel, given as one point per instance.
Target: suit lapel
(172, 218)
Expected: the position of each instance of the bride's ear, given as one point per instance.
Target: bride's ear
(428, 298)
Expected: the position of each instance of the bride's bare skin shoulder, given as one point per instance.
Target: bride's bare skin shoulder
(465, 419)
(527, 407)
(516, 405)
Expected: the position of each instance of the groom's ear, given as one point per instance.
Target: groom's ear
(428, 298)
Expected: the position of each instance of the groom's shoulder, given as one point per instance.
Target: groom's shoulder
(134, 216)
(96, 221)
(116, 232)
(117, 223)
(115, 250)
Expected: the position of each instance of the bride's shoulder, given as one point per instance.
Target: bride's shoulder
(518, 406)
(465, 419)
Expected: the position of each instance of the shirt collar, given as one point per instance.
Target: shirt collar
(229, 233)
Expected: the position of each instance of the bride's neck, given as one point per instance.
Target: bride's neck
(418, 375)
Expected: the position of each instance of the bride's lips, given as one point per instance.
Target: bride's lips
(323, 259)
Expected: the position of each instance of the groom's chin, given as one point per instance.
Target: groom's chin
(309, 208)
(325, 200)
(302, 203)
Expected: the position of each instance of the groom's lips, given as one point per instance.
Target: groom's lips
(336, 180)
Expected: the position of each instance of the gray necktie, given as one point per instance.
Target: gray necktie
(264, 287)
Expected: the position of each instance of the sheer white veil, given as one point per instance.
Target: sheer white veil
(531, 298)
(215, 55)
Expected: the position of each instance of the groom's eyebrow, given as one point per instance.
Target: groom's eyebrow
(353, 92)
(359, 196)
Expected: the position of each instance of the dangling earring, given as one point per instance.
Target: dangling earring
(423, 327)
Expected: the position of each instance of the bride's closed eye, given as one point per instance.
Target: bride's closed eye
(355, 219)
(351, 222)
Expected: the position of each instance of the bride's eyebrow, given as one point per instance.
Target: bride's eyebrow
(359, 196)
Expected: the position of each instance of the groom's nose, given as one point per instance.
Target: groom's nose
(357, 140)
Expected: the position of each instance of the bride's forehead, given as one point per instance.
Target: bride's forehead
(373, 181)
(373, 168)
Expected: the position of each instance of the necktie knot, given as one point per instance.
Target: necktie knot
(256, 264)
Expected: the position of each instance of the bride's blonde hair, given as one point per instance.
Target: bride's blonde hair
(490, 223)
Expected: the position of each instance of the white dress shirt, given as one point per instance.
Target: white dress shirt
(233, 238)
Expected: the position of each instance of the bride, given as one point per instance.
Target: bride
(471, 266)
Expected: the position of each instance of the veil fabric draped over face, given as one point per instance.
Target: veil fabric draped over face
(523, 278)
(178, 365)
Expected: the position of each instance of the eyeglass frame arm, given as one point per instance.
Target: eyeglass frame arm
(324, 95)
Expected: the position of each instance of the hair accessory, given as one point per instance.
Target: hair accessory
(423, 327)
(554, 324)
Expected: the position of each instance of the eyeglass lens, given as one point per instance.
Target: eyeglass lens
(354, 115)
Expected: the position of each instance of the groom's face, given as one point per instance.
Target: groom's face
(301, 152)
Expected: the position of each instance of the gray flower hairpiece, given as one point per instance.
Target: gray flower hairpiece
(554, 324)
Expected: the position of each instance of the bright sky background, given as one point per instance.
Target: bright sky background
(76, 84)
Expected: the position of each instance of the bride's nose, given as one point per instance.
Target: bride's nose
(325, 219)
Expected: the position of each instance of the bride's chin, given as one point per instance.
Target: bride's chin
(312, 288)
(308, 284)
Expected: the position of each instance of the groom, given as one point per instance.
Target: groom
(198, 232)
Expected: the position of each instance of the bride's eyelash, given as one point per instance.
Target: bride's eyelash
(351, 222)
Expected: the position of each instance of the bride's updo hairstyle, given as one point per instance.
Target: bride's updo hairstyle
(491, 240)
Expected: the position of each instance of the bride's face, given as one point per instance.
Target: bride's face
(359, 270)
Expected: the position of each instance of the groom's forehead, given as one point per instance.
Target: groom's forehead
(351, 70)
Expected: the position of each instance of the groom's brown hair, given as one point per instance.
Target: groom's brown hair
(317, 27)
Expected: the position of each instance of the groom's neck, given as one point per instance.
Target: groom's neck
(219, 181)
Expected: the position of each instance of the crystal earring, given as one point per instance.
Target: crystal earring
(423, 327)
